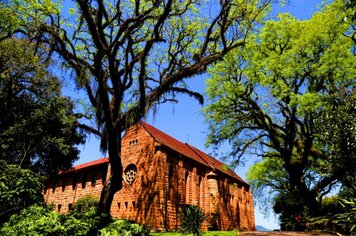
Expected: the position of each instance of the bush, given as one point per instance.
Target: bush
(86, 210)
(124, 227)
(19, 188)
(84, 204)
(326, 220)
(192, 219)
(339, 214)
(85, 219)
(347, 219)
(35, 220)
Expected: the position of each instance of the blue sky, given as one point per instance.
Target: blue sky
(185, 121)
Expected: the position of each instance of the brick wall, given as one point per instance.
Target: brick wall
(67, 188)
(163, 181)
(141, 200)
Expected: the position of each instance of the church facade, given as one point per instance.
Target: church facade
(160, 175)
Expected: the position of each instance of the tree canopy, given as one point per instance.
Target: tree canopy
(37, 125)
(131, 55)
(288, 97)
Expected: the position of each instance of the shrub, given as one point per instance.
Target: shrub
(347, 219)
(41, 220)
(84, 204)
(84, 219)
(124, 227)
(86, 211)
(339, 214)
(192, 219)
(326, 220)
(19, 188)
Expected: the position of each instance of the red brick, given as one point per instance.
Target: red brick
(169, 173)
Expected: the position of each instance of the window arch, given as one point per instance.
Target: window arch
(170, 171)
(201, 197)
(74, 183)
(186, 184)
(84, 181)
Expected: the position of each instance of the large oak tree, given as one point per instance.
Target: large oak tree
(131, 55)
(37, 124)
(282, 97)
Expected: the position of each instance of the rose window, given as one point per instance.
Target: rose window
(130, 173)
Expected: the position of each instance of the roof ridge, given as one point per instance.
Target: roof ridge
(143, 124)
(194, 150)
(220, 162)
(232, 172)
(166, 140)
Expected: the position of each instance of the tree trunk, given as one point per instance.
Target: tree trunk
(114, 183)
(308, 196)
(107, 194)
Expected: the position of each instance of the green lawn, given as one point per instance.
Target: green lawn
(210, 233)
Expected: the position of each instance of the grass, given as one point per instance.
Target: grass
(209, 233)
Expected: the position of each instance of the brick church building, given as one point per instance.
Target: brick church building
(160, 174)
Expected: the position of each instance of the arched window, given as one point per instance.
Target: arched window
(201, 197)
(84, 181)
(53, 186)
(170, 171)
(93, 180)
(186, 181)
(74, 185)
(63, 184)
(103, 176)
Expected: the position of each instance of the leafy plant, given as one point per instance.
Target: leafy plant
(86, 210)
(348, 218)
(35, 220)
(339, 213)
(192, 219)
(124, 227)
(19, 188)
(43, 220)
(85, 204)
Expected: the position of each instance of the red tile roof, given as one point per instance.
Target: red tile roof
(173, 143)
(177, 146)
(216, 164)
(190, 151)
(86, 165)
